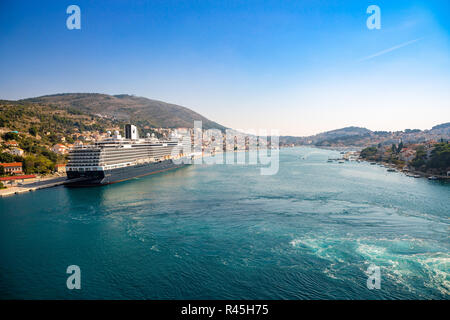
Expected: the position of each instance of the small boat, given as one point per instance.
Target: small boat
(391, 170)
(340, 161)
(417, 176)
(329, 160)
(432, 178)
(373, 163)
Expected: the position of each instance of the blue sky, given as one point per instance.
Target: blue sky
(298, 66)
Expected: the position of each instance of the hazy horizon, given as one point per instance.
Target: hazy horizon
(300, 67)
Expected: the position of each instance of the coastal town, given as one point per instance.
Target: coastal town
(22, 169)
(36, 137)
(428, 160)
(28, 163)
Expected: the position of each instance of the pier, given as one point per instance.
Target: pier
(32, 186)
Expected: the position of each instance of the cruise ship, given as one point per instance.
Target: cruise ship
(117, 159)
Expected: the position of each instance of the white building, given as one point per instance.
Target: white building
(16, 152)
(59, 149)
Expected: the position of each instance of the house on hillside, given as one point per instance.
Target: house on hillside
(59, 149)
(16, 152)
(407, 154)
(60, 168)
(12, 167)
(11, 143)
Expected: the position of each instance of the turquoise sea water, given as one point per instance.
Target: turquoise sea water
(227, 232)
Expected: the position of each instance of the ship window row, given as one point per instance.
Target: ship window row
(78, 157)
(122, 156)
(124, 151)
(142, 153)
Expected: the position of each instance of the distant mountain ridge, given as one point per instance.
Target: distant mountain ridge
(147, 113)
(341, 133)
(357, 136)
(444, 127)
(139, 110)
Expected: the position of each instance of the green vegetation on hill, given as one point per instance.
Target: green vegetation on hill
(42, 163)
(369, 153)
(138, 110)
(45, 121)
(438, 160)
(39, 119)
(440, 156)
(420, 158)
(435, 161)
(38, 158)
(39, 127)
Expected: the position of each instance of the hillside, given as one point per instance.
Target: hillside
(442, 128)
(35, 128)
(344, 135)
(141, 111)
(362, 137)
(36, 125)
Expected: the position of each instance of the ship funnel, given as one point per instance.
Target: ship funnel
(131, 132)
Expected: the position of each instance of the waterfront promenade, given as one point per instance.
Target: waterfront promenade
(33, 185)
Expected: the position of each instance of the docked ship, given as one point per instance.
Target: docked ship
(116, 159)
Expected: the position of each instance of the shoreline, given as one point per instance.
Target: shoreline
(44, 183)
(33, 186)
(387, 165)
(408, 172)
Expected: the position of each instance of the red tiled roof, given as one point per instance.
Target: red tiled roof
(11, 164)
(60, 165)
(29, 176)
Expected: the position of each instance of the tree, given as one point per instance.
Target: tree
(69, 139)
(440, 156)
(6, 157)
(368, 152)
(50, 155)
(38, 164)
(33, 131)
(26, 144)
(420, 158)
(10, 136)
